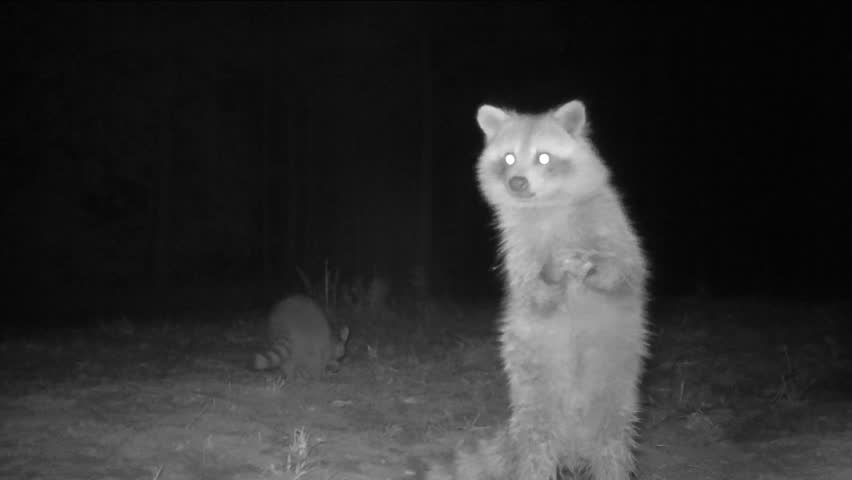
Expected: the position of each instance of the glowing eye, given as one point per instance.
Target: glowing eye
(544, 158)
(510, 159)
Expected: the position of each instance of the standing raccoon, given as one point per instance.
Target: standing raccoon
(573, 321)
(302, 340)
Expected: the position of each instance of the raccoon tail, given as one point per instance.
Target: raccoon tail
(491, 459)
(269, 359)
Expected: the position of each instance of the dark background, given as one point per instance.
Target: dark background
(155, 146)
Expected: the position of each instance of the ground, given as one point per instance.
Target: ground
(733, 390)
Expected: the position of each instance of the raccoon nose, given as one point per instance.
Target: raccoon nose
(519, 184)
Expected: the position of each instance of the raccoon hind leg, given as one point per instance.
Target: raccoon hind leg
(613, 461)
(289, 369)
(315, 366)
(533, 445)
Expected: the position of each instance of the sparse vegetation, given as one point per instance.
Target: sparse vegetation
(275, 382)
(298, 451)
(178, 393)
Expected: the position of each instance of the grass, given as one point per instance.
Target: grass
(419, 371)
(275, 383)
(298, 452)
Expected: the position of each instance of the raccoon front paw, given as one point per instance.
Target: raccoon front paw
(609, 275)
(593, 269)
(579, 264)
(604, 276)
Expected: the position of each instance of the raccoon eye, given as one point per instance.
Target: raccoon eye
(543, 158)
(509, 158)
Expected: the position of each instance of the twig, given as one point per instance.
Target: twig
(195, 419)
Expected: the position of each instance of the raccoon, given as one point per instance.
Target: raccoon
(572, 329)
(302, 342)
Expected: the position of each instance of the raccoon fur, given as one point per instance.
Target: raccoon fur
(572, 329)
(301, 339)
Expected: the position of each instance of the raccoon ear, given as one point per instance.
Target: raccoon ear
(490, 119)
(572, 117)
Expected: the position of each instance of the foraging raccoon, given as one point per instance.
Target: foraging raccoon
(301, 339)
(573, 323)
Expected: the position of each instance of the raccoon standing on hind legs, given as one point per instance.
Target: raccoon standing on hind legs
(573, 321)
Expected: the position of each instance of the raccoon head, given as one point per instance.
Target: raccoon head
(538, 160)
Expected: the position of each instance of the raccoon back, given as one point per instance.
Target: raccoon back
(299, 319)
(300, 338)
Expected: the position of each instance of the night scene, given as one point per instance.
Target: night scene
(426, 240)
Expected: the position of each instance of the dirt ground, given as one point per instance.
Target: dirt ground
(733, 390)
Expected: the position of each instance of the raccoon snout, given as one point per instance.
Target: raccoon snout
(519, 184)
